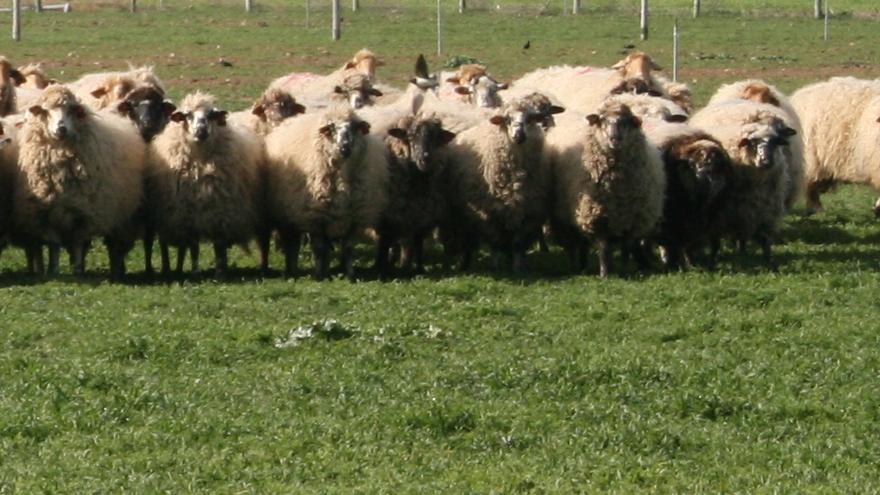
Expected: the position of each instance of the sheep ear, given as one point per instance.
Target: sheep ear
(17, 77)
(260, 112)
(593, 119)
(554, 109)
(375, 92)
(51, 82)
(398, 133)
(743, 142)
(462, 90)
(1, 128)
(338, 90)
(654, 66)
(637, 121)
(349, 65)
(620, 65)
(787, 132)
(498, 120)
(219, 116)
(326, 131)
(178, 117)
(168, 108)
(446, 137)
(454, 80)
(100, 92)
(502, 86)
(123, 89)
(296, 108)
(676, 119)
(37, 111)
(363, 126)
(124, 107)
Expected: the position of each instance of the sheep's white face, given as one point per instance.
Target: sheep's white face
(483, 91)
(61, 122)
(345, 136)
(519, 125)
(762, 143)
(358, 98)
(201, 123)
(614, 126)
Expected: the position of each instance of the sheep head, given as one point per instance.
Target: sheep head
(342, 133)
(148, 109)
(9, 75)
(418, 139)
(274, 106)
(636, 65)
(760, 141)
(482, 91)
(34, 77)
(759, 92)
(60, 112)
(614, 121)
(708, 163)
(364, 62)
(357, 90)
(646, 106)
(199, 116)
(520, 119)
(113, 89)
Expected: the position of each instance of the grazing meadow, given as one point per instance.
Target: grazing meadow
(737, 380)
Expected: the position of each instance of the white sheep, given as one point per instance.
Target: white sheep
(753, 203)
(327, 177)
(840, 133)
(609, 182)
(761, 92)
(205, 183)
(81, 176)
(498, 186)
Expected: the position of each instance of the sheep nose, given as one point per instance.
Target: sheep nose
(201, 134)
(345, 151)
(61, 132)
(519, 137)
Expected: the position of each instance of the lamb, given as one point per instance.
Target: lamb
(327, 177)
(841, 131)
(753, 203)
(205, 183)
(415, 194)
(10, 77)
(609, 182)
(761, 92)
(81, 176)
(498, 185)
(271, 109)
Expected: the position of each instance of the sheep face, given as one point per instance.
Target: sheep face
(483, 91)
(277, 107)
(201, 123)
(344, 137)
(421, 139)
(148, 109)
(614, 122)
(9, 75)
(62, 122)
(518, 125)
(761, 144)
(711, 165)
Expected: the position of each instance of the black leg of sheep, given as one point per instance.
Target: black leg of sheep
(54, 258)
(290, 245)
(221, 260)
(166, 258)
(605, 253)
(320, 255)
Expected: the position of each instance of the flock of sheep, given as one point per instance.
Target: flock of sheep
(611, 158)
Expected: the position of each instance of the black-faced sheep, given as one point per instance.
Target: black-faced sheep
(327, 177)
(498, 185)
(753, 203)
(760, 92)
(609, 183)
(271, 109)
(415, 194)
(841, 125)
(81, 176)
(205, 182)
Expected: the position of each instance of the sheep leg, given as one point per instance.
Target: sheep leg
(347, 258)
(181, 257)
(383, 255)
(117, 259)
(542, 243)
(642, 254)
(166, 257)
(264, 240)
(221, 260)
(77, 258)
(320, 255)
(605, 252)
(814, 190)
(290, 244)
(34, 254)
(148, 250)
(54, 258)
(418, 253)
(519, 261)
(194, 255)
(583, 249)
(766, 251)
(714, 247)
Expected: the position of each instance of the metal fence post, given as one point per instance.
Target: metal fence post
(38, 5)
(439, 31)
(16, 20)
(696, 8)
(643, 20)
(675, 50)
(335, 29)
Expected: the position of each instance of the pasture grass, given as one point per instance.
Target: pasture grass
(741, 380)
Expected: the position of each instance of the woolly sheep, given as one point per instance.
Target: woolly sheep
(34, 77)
(81, 176)
(498, 184)
(205, 183)
(609, 182)
(761, 92)
(271, 109)
(10, 77)
(841, 134)
(327, 177)
(753, 203)
(353, 82)
(415, 193)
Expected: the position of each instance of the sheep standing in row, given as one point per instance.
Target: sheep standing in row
(760, 92)
(327, 177)
(416, 202)
(81, 176)
(609, 183)
(499, 186)
(204, 183)
(271, 109)
(841, 134)
(753, 203)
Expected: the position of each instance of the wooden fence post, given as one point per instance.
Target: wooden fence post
(248, 5)
(575, 6)
(675, 50)
(643, 20)
(439, 31)
(16, 20)
(134, 6)
(38, 5)
(355, 5)
(335, 31)
(696, 8)
(462, 5)
(817, 9)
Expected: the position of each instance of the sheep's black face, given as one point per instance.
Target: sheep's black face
(148, 110)
(762, 142)
(712, 167)
(279, 110)
(422, 141)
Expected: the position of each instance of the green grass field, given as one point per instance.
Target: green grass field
(735, 381)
